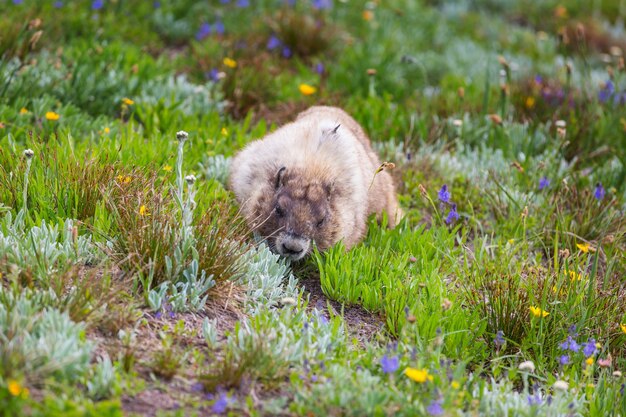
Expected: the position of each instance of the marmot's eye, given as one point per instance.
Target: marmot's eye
(321, 222)
(279, 211)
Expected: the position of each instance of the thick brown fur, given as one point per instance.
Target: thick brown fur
(314, 179)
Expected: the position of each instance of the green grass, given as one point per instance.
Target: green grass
(128, 288)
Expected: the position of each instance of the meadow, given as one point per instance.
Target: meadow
(130, 285)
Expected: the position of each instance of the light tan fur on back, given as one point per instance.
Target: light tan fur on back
(312, 179)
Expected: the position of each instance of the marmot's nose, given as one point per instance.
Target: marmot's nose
(292, 248)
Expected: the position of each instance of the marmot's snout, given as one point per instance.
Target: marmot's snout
(292, 246)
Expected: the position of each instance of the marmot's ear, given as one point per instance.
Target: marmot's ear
(330, 132)
(279, 181)
(329, 188)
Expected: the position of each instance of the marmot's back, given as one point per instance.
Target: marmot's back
(324, 148)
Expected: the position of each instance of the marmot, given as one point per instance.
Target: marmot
(312, 180)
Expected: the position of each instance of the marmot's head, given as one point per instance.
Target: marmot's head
(300, 212)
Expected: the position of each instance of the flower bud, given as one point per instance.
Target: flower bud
(182, 136)
(190, 179)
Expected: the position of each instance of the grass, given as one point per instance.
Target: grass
(130, 284)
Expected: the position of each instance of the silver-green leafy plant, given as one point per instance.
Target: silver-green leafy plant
(215, 167)
(209, 332)
(44, 249)
(101, 380)
(40, 342)
(267, 279)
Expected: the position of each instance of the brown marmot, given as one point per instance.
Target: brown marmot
(312, 180)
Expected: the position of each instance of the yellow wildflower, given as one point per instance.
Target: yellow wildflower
(143, 211)
(538, 312)
(585, 247)
(16, 389)
(455, 385)
(511, 241)
(107, 130)
(52, 116)
(418, 375)
(23, 110)
(307, 90)
(230, 63)
(574, 276)
(368, 15)
(623, 327)
(167, 168)
(128, 101)
(560, 11)
(224, 131)
(589, 361)
(123, 179)
(530, 102)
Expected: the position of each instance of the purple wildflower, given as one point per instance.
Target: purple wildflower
(243, 3)
(203, 31)
(321, 4)
(499, 339)
(287, 52)
(57, 4)
(319, 68)
(600, 192)
(435, 408)
(570, 344)
(390, 364)
(158, 315)
(273, 43)
(444, 195)
(452, 216)
(534, 400)
(564, 359)
(97, 4)
(156, 4)
(606, 92)
(213, 75)
(572, 330)
(590, 347)
(219, 28)
(220, 405)
(18, 1)
(544, 182)
(197, 387)
(538, 79)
